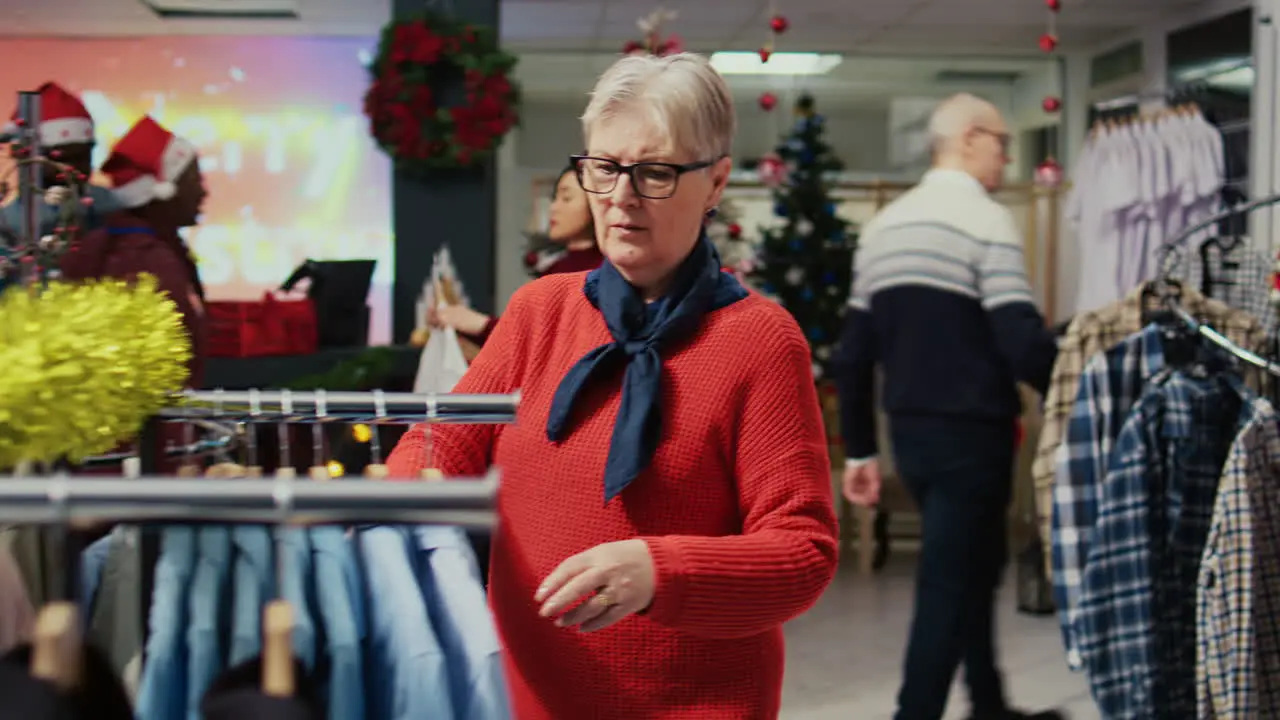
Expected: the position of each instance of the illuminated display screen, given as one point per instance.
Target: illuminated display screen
(287, 160)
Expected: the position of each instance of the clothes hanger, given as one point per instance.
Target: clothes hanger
(284, 468)
(277, 650)
(189, 468)
(56, 651)
(376, 469)
(277, 616)
(319, 469)
(251, 467)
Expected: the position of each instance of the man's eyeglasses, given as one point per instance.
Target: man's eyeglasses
(652, 180)
(1003, 138)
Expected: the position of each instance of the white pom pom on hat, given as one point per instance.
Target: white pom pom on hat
(164, 190)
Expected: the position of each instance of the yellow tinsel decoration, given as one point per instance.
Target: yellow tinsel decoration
(82, 366)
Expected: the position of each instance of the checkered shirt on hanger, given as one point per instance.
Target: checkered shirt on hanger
(1137, 616)
(1110, 386)
(1091, 333)
(1230, 575)
(1240, 277)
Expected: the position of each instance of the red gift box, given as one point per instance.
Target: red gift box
(271, 326)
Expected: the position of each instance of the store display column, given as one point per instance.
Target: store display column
(458, 208)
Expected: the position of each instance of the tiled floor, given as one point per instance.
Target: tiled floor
(844, 656)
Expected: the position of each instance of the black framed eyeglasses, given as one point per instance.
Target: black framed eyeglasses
(1004, 138)
(652, 180)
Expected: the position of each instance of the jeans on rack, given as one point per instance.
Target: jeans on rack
(960, 473)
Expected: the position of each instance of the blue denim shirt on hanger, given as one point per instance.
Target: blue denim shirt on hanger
(162, 693)
(340, 611)
(207, 606)
(295, 570)
(449, 577)
(406, 672)
(254, 582)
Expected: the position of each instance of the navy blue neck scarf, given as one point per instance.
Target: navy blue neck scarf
(641, 331)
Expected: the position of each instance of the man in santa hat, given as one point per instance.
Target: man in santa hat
(156, 179)
(65, 131)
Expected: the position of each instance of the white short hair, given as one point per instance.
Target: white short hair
(682, 94)
(957, 115)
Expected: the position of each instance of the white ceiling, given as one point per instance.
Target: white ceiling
(857, 80)
(990, 27)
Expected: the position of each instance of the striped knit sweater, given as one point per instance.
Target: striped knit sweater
(942, 305)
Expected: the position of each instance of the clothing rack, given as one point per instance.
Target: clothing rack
(320, 406)
(1172, 251)
(61, 499)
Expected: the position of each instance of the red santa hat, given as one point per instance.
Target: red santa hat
(145, 163)
(63, 118)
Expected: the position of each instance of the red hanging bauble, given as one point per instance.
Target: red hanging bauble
(764, 54)
(1051, 104)
(768, 101)
(779, 24)
(1053, 5)
(735, 231)
(1049, 174)
(1048, 42)
(633, 46)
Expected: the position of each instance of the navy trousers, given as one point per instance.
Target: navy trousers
(960, 473)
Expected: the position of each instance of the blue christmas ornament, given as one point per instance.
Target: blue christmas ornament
(831, 208)
(807, 157)
(815, 334)
(796, 246)
(829, 278)
(806, 294)
(767, 288)
(817, 121)
(780, 209)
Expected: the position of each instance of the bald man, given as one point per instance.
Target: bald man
(942, 304)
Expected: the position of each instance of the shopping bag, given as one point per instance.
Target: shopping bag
(441, 364)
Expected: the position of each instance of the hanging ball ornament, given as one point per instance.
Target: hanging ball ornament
(1053, 5)
(1048, 42)
(768, 101)
(771, 170)
(1051, 104)
(779, 24)
(764, 54)
(1049, 174)
(735, 231)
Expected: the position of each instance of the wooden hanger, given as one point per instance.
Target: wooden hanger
(55, 649)
(277, 650)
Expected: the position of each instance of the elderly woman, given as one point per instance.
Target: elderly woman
(666, 497)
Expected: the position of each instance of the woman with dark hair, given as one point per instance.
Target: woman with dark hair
(571, 247)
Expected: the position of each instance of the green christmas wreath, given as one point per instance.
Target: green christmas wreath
(417, 58)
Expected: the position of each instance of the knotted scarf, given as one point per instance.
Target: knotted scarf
(641, 331)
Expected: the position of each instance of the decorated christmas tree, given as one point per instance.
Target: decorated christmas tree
(806, 262)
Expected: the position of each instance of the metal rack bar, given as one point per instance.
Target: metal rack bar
(62, 499)
(376, 406)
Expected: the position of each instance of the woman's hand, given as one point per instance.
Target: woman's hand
(616, 579)
(463, 319)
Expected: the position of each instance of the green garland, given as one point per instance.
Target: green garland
(369, 370)
(417, 59)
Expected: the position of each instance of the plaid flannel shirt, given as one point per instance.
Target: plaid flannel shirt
(1239, 277)
(1136, 620)
(1110, 386)
(1091, 333)
(1232, 573)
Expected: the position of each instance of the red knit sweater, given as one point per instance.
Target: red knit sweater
(736, 509)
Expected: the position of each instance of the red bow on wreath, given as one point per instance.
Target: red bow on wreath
(405, 117)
